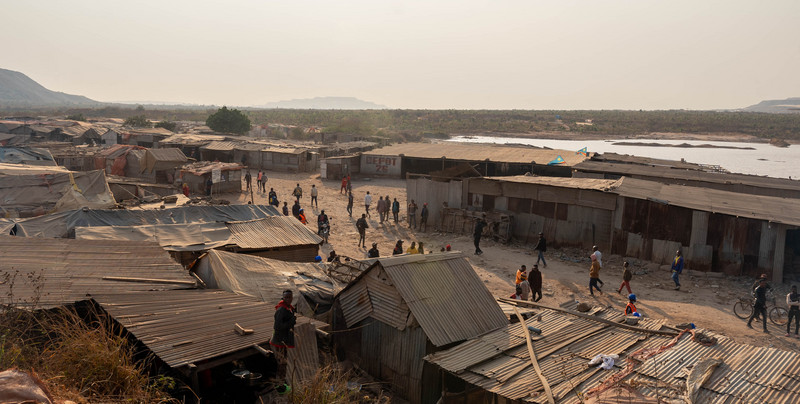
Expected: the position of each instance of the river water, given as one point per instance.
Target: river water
(764, 159)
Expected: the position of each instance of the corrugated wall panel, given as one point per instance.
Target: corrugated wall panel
(355, 304)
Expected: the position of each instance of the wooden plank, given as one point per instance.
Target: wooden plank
(532, 354)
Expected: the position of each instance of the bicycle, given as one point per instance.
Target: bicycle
(777, 315)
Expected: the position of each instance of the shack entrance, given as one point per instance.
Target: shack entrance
(791, 260)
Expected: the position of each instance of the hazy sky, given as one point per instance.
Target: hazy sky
(554, 54)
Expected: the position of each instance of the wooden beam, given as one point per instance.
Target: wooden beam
(532, 354)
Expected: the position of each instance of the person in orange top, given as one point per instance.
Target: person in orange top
(630, 308)
(594, 276)
(302, 217)
(522, 274)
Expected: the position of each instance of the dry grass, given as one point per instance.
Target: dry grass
(330, 385)
(77, 361)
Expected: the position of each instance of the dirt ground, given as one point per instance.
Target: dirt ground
(706, 301)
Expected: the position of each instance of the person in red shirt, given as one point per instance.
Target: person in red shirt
(344, 186)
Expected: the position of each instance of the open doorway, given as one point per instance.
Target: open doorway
(791, 258)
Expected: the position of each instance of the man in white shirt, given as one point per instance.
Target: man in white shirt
(597, 255)
(367, 202)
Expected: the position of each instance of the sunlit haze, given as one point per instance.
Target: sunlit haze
(465, 54)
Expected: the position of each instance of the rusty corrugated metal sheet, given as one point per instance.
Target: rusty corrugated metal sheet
(479, 152)
(446, 296)
(187, 326)
(387, 304)
(271, 232)
(52, 272)
(303, 360)
(577, 183)
(355, 303)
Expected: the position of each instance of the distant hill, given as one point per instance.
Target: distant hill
(19, 90)
(789, 105)
(324, 103)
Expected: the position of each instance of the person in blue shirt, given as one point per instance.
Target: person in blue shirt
(677, 268)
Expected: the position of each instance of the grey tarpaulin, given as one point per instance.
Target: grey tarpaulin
(266, 279)
(38, 194)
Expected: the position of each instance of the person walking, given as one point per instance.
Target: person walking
(323, 221)
(350, 204)
(541, 247)
(259, 181)
(535, 280)
(296, 209)
(386, 207)
(677, 268)
(423, 217)
(480, 223)
(298, 192)
(343, 190)
(209, 184)
(380, 208)
(285, 209)
(395, 210)
(362, 226)
(597, 255)
(248, 181)
(398, 248)
(760, 305)
(273, 197)
(373, 252)
(412, 215)
(626, 278)
(314, 193)
(793, 302)
(367, 202)
(594, 276)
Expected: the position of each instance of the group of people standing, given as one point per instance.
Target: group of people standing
(528, 286)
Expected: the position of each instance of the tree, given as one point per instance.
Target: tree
(138, 121)
(170, 126)
(77, 117)
(229, 121)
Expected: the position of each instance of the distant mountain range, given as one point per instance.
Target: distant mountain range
(19, 90)
(324, 103)
(789, 105)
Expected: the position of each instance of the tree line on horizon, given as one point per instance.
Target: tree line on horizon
(415, 124)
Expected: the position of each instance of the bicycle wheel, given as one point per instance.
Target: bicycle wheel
(778, 316)
(743, 310)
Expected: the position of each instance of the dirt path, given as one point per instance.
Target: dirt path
(706, 301)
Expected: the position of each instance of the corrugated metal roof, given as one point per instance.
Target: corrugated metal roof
(220, 145)
(270, 232)
(773, 209)
(446, 296)
(479, 152)
(500, 363)
(562, 182)
(442, 291)
(626, 158)
(688, 174)
(205, 167)
(52, 272)
(187, 326)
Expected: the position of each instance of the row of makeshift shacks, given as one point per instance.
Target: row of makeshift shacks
(424, 326)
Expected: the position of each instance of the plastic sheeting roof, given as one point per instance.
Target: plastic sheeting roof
(265, 279)
(55, 192)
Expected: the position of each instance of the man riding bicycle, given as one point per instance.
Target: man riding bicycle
(323, 225)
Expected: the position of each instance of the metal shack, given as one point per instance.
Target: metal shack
(403, 308)
(424, 158)
(721, 231)
(196, 175)
(155, 165)
(334, 168)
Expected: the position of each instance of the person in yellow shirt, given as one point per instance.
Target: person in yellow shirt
(412, 249)
(522, 274)
(594, 276)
